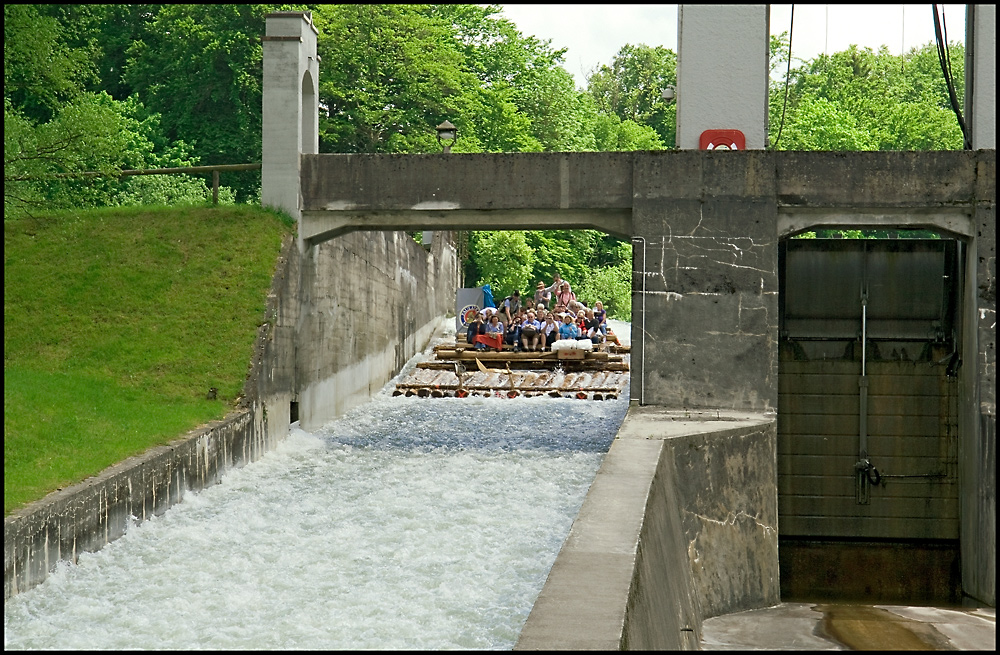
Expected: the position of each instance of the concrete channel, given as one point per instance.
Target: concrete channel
(680, 523)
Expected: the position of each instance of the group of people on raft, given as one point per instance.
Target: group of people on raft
(553, 314)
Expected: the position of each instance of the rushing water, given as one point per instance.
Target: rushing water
(408, 523)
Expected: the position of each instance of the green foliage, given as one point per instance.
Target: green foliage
(93, 132)
(630, 90)
(566, 252)
(505, 261)
(613, 134)
(40, 72)
(598, 266)
(858, 99)
(84, 135)
(200, 67)
(116, 323)
(821, 124)
(612, 286)
(499, 125)
(528, 99)
(836, 233)
(55, 128)
(390, 74)
(105, 32)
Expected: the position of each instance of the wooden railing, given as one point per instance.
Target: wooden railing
(214, 170)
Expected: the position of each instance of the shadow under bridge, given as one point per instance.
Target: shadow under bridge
(343, 193)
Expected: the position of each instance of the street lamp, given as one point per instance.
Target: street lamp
(447, 135)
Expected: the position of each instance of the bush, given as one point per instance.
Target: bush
(613, 287)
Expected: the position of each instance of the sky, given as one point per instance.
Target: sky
(594, 33)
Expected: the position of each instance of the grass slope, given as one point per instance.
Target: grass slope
(116, 323)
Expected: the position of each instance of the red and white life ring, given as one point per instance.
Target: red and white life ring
(722, 140)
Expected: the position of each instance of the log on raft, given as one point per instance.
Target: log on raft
(533, 364)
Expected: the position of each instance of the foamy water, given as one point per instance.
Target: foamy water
(407, 524)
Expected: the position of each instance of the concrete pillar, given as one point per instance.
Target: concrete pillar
(705, 281)
(978, 420)
(290, 111)
(981, 75)
(722, 72)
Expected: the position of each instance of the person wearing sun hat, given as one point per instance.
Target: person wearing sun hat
(568, 329)
(542, 295)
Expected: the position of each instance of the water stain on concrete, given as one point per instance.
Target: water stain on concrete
(828, 625)
(860, 627)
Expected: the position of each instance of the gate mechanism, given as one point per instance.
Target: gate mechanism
(866, 474)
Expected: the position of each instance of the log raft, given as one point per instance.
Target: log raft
(460, 371)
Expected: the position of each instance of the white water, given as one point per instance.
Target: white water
(407, 524)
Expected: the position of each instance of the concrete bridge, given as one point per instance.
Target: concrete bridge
(714, 331)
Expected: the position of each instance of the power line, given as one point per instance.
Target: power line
(788, 70)
(944, 57)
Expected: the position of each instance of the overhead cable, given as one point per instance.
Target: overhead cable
(944, 57)
(788, 70)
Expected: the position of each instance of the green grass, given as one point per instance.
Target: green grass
(116, 323)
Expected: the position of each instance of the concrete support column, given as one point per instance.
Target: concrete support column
(978, 415)
(722, 72)
(290, 111)
(981, 75)
(705, 290)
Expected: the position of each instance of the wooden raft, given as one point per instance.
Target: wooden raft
(460, 371)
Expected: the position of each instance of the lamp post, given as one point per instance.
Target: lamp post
(447, 135)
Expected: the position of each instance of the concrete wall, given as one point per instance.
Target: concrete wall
(679, 525)
(289, 105)
(368, 303)
(977, 418)
(465, 191)
(706, 228)
(705, 285)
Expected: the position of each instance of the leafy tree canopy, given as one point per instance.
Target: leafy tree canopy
(859, 99)
(630, 88)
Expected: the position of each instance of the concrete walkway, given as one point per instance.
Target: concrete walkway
(818, 626)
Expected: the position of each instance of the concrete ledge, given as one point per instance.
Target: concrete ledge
(679, 525)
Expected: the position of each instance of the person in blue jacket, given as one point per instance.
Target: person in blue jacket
(568, 329)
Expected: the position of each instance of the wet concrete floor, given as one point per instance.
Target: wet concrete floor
(833, 626)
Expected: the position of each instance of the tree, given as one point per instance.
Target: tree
(505, 261)
(59, 124)
(498, 124)
(612, 285)
(40, 73)
(200, 67)
(542, 110)
(858, 99)
(390, 74)
(613, 134)
(44, 163)
(822, 124)
(105, 32)
(630, 88)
